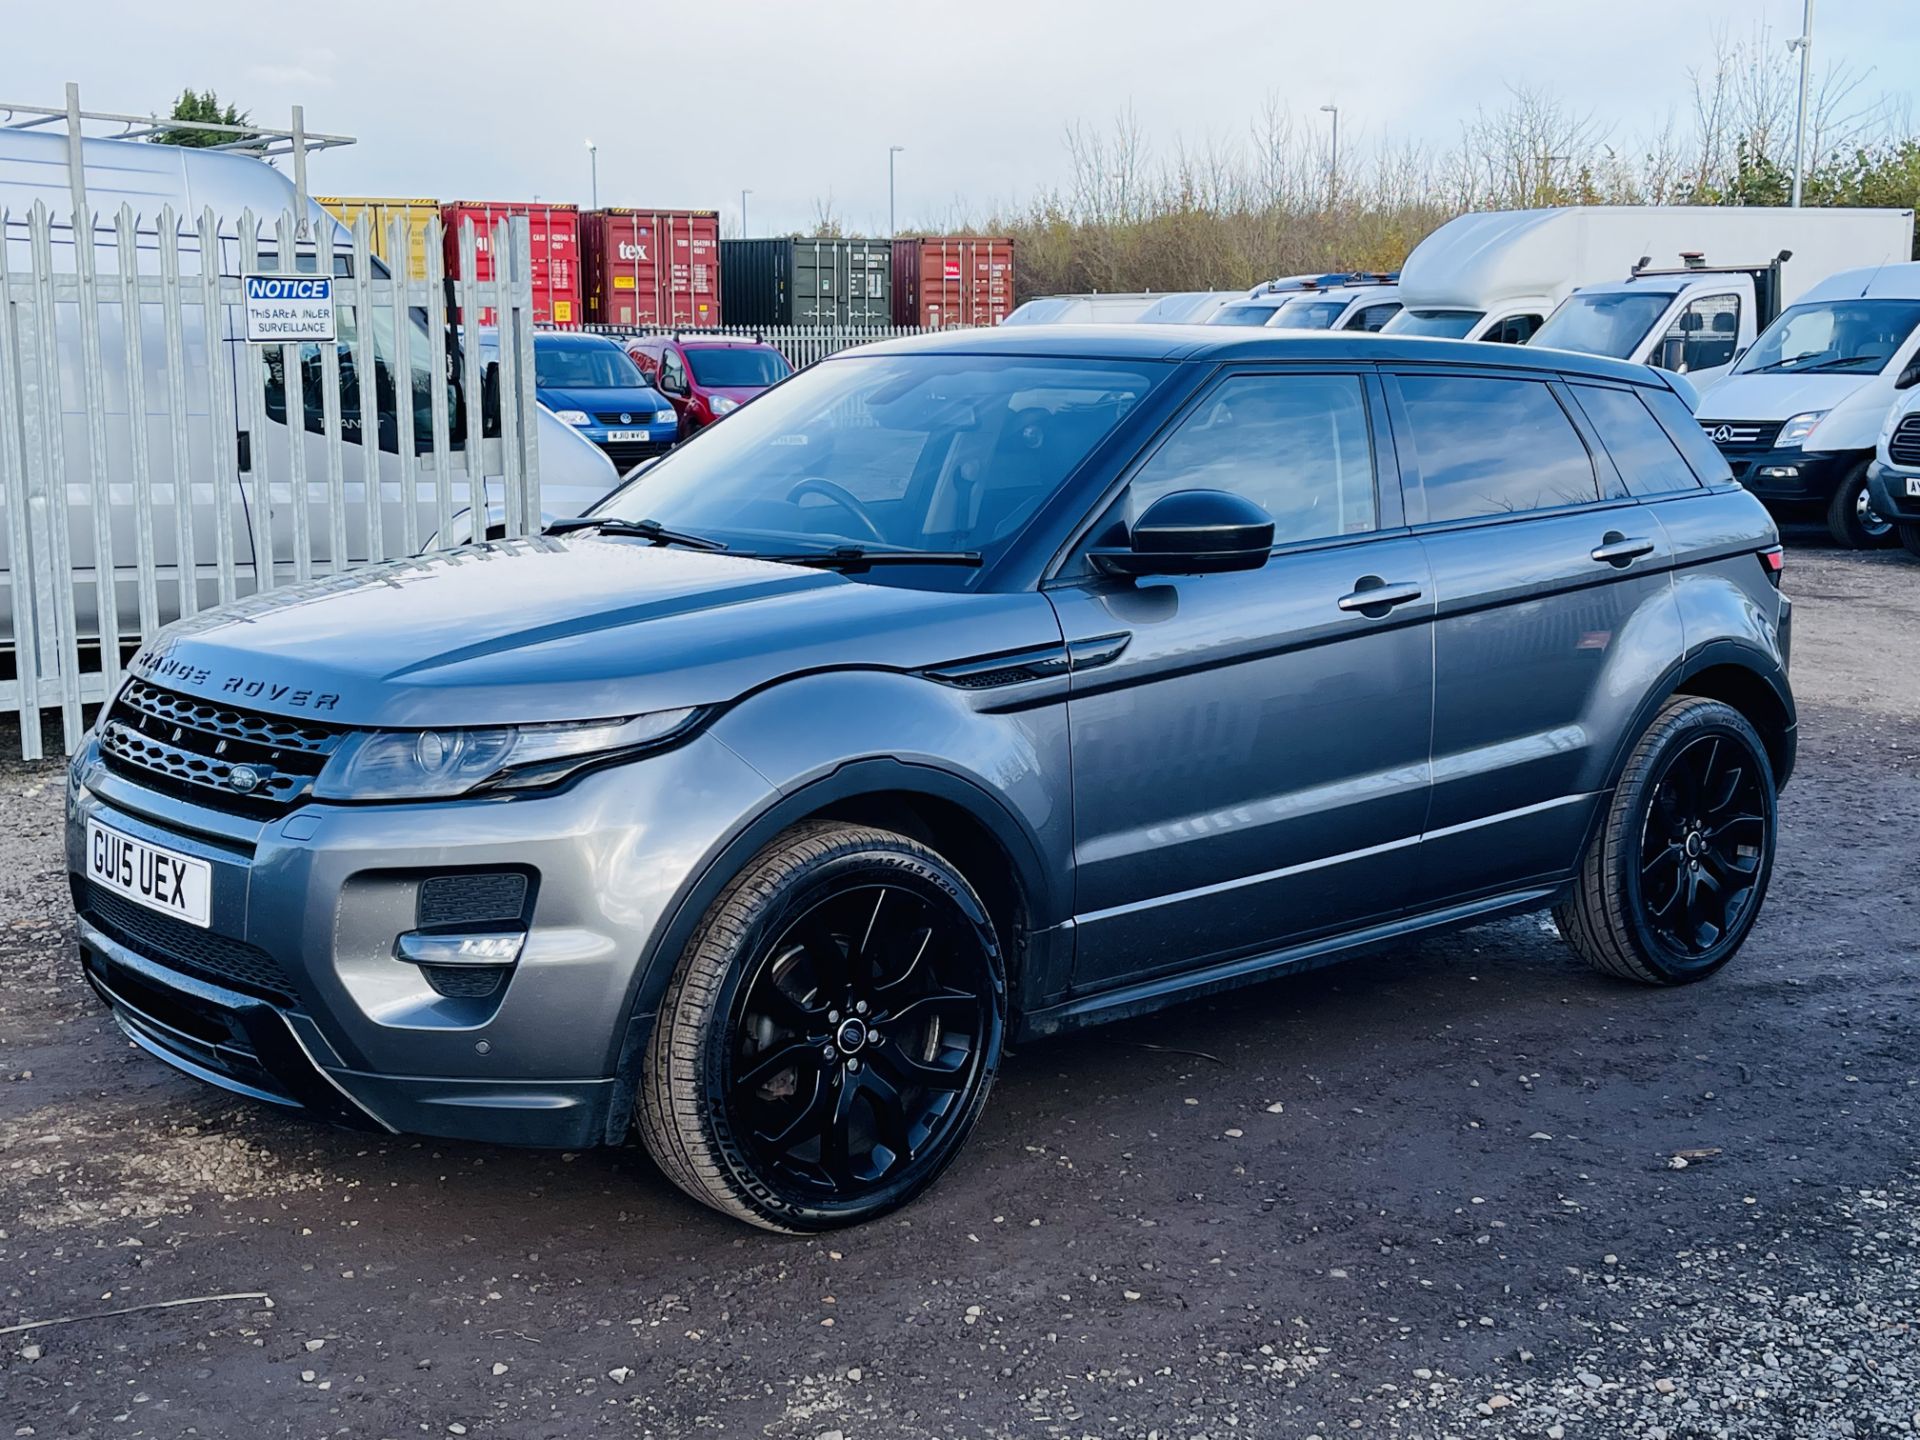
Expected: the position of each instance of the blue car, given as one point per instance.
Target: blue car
(588, 381)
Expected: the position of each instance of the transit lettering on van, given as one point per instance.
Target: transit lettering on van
(289, 309)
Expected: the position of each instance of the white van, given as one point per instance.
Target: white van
(1498, 275)
(1800, 414)
(1697, 318)
(1096, 309)
(149, 178)
(1357, 302)
(1893, 480)
(1187, 307)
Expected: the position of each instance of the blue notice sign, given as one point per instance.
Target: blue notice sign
(289, 309)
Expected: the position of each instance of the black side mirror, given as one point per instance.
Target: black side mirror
(1194, 532)
(1909, 377)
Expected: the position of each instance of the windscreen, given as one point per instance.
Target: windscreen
(1605, 324)
(916, 452)
(1436, 324)
(585, 367)
(729, 366)
(1242, 315)
(1859, 336)
(1305, 314)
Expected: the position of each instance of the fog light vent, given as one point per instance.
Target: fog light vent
(463, 982)
(478, 898)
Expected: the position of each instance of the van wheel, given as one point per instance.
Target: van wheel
(1673, 880)
(829, 1037)
(1851, 518)
(1910, 537)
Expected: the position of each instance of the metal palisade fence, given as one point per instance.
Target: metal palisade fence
(155, 461)
(800, 344)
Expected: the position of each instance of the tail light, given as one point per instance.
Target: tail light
(1774, 557)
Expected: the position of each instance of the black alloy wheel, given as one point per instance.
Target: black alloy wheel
(1702, 845)
(859, 1037)
(1675, 872)
(831, 1033)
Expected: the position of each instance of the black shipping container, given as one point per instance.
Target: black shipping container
(806, 282)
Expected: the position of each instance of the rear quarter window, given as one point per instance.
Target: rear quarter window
(1645, 455)
(1703, 456)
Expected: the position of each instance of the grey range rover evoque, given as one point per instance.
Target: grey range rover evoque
(960, 689)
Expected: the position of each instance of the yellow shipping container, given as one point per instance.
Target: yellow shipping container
(381, 212)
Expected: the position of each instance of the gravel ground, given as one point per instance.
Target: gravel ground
(1433, 1192)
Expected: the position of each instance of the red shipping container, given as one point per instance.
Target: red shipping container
(554, 247)
(944, 281)
(652, 267)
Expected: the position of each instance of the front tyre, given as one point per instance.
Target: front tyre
(1851, 518)
(1910, 537)
(1672, 881)
(829, 1037)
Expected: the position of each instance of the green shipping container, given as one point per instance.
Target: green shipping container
(791, 281)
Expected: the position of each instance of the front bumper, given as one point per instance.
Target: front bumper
(295, 993)
(1896, 493)
(1789, 476)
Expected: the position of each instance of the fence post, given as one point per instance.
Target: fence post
(53, 475)
(127, 236)
(13, 491)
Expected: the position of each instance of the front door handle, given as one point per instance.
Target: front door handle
(1617, 550)
(1374, 597)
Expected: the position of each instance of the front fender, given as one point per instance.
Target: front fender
(824, 739)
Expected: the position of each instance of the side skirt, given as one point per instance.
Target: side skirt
(1156, 994)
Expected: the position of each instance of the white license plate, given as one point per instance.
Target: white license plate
(1913, 487)
(151, 875)
(618, 435)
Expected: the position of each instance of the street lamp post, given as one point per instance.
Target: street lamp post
(593, 161)
(892, 228)
(1804, 44)
(1333, 155)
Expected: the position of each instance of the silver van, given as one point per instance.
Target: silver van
(151, 179)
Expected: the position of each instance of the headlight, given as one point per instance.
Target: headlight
(722, 405)
(1800, 427)
(664, 417)
(439, 764)
(573, 417)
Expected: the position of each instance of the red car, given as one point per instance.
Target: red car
(707, 376)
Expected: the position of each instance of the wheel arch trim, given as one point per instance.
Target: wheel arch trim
(873, 777)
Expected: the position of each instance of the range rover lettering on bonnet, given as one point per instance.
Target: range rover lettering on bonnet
(158, 665)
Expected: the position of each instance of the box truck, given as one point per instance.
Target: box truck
(1694, 313)
(1498, 275)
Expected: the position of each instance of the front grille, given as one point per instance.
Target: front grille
(1742, 434)
(198, 750)
(181, 946)
(471, 900)
(1903, 447)
(619, 418)
(629, 453)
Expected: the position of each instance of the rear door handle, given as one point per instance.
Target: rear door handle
(1617, 550)
(1374, 597)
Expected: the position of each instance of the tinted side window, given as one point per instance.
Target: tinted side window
(1674, 417)
(1701, 337)
(1298, 446)
(1514, 330)
(1492, 447)
(1647, 459)
(1373, 316)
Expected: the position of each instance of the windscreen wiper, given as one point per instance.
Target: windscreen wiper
(853, 559)
(639, 529)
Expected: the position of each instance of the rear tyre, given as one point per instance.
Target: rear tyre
(1910, 537)
(1673, 880)
(1851, 518)
(829, 1038)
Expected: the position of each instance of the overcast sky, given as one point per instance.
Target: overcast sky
(798, 100)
